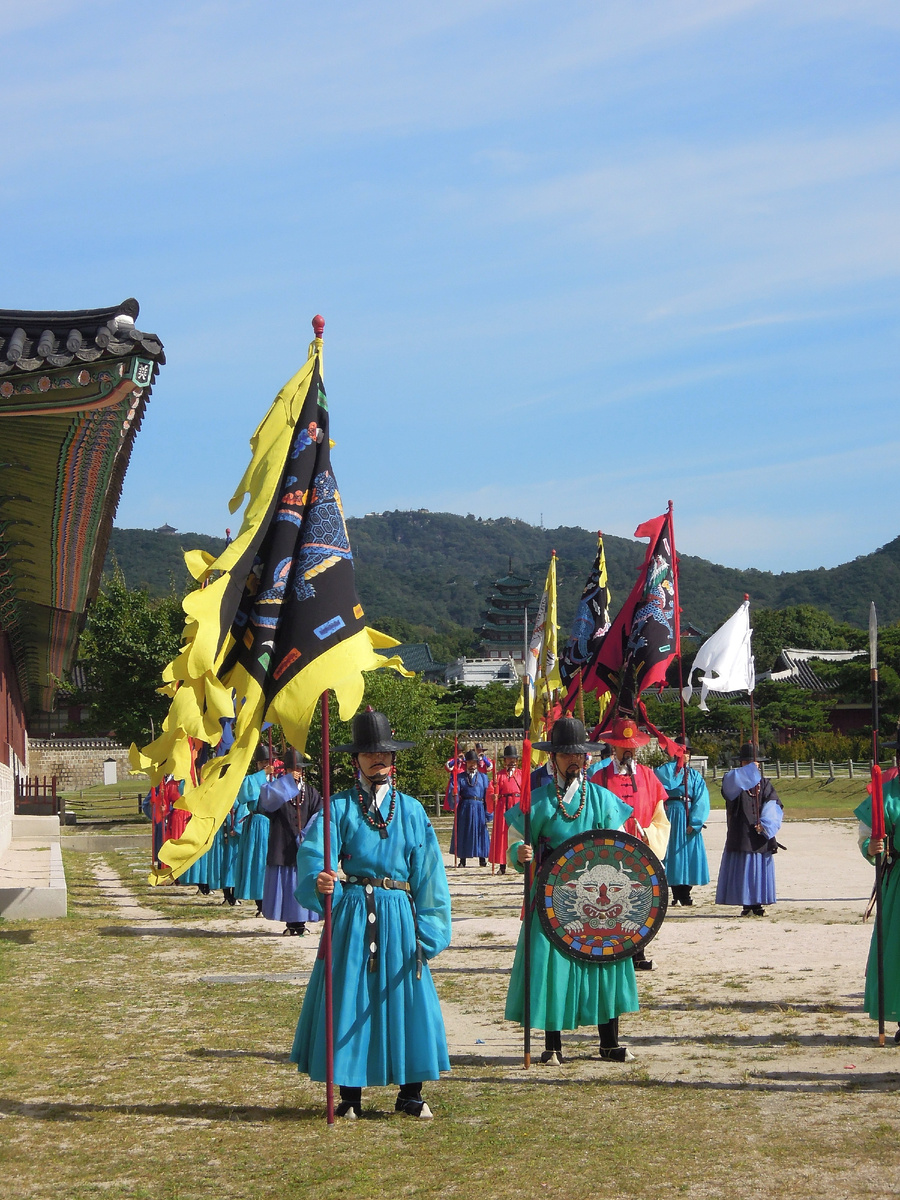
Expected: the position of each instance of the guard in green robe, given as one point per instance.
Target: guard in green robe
(890, 901)
(566, 994)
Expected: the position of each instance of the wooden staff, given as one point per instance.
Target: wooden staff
(326, 930)
(525, 806)
(878, 823)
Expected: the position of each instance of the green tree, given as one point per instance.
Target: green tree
(128, 640)
(803, 626)
(410, 704)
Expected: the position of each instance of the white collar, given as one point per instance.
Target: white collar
(572, 788)
(383, 790)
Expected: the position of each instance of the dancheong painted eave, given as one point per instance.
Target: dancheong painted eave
(73, 389)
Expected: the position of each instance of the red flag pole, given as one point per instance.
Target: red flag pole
(677, 623)
(454, 780)
(326, 931)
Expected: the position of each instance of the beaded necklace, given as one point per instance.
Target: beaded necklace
(377, 822)
(560, 806)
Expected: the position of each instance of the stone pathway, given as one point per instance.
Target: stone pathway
(115, 891)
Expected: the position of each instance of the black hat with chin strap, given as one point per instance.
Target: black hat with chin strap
(567, 737)
(371, 735)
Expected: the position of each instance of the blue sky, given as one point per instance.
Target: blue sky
(575, 259)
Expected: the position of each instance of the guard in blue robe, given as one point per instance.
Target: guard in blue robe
(391, 915)
(290, 803)
(685, 863)
(254, 844)
(754, 813)
(470, 837)
(223, 853)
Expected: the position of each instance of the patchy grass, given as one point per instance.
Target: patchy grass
(114, 802)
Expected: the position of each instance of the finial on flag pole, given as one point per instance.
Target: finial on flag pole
(318, 324)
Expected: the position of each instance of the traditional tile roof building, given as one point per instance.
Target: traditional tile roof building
(73, 389)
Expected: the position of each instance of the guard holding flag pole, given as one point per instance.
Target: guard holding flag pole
(879, 820)
(391, 915)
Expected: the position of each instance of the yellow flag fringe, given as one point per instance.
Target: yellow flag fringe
(201, 699)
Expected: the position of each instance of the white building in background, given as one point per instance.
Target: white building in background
(479, 672)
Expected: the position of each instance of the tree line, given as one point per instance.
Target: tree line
(131, 635)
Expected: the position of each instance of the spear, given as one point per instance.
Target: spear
(878, 830)
(525, 807)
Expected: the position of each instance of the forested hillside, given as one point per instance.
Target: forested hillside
(437, 569)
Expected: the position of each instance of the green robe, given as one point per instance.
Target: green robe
(890, 900)
(564, 993)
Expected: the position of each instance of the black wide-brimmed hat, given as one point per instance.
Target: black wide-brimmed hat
(510, 752)
(567, 737)
(471, 756)
(293, 760)
(683, 741)
(262, 754)
(750, 753)
(371, 735)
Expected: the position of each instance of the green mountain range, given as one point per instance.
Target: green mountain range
(437, 570)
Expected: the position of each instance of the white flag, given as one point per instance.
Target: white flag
(726, 659)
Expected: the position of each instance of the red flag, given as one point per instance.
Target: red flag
(525, 794)
(644, 637)
(877, 804)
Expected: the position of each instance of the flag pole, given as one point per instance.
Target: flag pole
(454, 777)
(326, 930)
(753, 732)
(318, 324)
(878, 830)
(677, 625)
(525, 805)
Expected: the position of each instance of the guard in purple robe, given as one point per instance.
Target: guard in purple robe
(470, 835)
(754, 814)
(290, 803)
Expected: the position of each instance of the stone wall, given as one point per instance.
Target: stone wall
(6, 807)
(76, 762)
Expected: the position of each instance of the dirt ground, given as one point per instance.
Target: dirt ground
(774, 999)
(731, 1000)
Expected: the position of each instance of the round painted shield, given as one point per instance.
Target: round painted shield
(601, 895)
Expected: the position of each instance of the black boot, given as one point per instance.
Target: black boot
(351, 1103)
(553, 1047)
(501, 870)
(409, 1102)
(610, 1050)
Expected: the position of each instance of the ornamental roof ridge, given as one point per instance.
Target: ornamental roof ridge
(35, 340)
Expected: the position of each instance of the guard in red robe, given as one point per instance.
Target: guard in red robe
(505, 791)
(637, 786)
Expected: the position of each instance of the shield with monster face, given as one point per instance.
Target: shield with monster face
(601, 896)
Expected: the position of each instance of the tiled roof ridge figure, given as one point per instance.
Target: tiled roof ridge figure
(34, 340)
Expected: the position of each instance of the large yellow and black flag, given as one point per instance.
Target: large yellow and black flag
(275, 621)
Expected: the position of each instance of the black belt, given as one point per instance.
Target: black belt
(369, 884)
